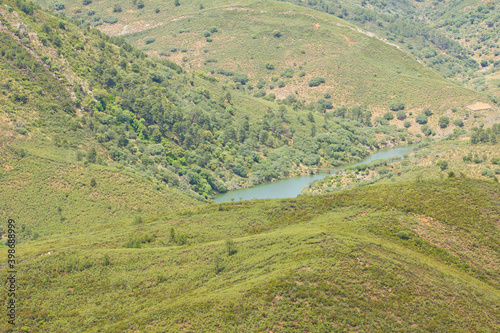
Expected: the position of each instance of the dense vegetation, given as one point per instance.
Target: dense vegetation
(152, 117)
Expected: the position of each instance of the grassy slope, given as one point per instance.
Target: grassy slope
(358, 69)
(359, 260)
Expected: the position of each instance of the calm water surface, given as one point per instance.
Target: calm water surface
(291, 187)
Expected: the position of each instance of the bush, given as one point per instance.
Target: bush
(388, 116)
(117, 8)
(269, 66)
(401, 115)
(421, 119)
(459, 123)
(442, 164)
(428, 112)
(86, 2)
(110, 20)
(407, 124)
(149, 40)
(314, 82)
(396, 106)
(444, 122)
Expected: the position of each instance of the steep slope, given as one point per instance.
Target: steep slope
(419, 256)
(108, 104)
(280, 47)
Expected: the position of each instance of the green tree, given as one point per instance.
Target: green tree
(93, 182)
(401, 115)
(91, 155)
(230, 247)
(388, 116)
(442, 164)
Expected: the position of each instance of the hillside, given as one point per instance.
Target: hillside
(280, 48)
(457, 38)
(419, 255)
(98, 101)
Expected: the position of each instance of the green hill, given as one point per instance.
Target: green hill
(457, 38)
(408, 256)
(281, 48)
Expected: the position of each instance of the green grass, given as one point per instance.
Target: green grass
(357, 260)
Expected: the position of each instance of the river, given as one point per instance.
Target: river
(291, 187)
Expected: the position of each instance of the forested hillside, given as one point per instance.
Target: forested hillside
(106, 103)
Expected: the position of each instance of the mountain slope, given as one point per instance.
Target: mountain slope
(271, 39)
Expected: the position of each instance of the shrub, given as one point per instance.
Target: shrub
(428, 112)
(277, 33)
(269, 66)
(314, 82)
(86, 2)
(396, 106)
(421, 119)
(442, 164)
(459, 123)
(401, 115)
(230, 247)
(444, 122)
(388, 116)
(407, 124)
(149, 40)
(117, 8)
(110, 20)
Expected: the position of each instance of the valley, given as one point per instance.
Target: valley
(128, 130)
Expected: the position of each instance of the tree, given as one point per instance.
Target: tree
(230, 247)
(93, 182)
(401, 115)
(407, 124)
(444, 122)
(177, 3)
(442, 164)
(310, 117)
(117, 8)
(428, 112)
(91, 155)
(396, 106)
